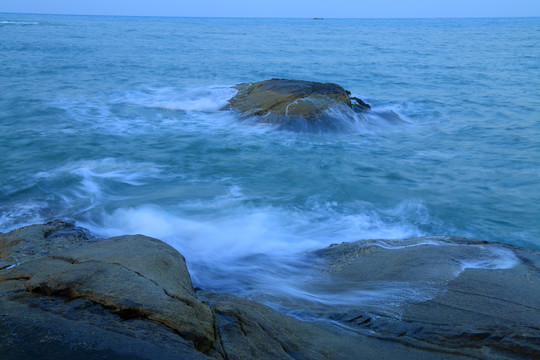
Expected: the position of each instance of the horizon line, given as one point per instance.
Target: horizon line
(289, 17)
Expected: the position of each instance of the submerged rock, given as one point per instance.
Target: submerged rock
(283, 100)
(67, 294)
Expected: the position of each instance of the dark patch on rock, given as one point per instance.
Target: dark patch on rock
(359, 104)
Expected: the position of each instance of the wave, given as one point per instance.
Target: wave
(91, 172)
(240, 243)
(6, 22)
(336, 119)
(214, 98)
(201, 99)
(22, 213)
(166, 109)
(252, 250)
(153, 110)
(234, 230)
(263, 252)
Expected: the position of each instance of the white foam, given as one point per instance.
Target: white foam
(231, 228)
(108, 168)
(22, 213)
(88, 182)
(234, 246)
(492, 257)
(19, 22)
(238, 234)
(384, 244)
(158, 110)
(203, 99)
(384, 117)
(94, 114)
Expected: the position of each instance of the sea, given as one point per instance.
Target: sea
(118, 125)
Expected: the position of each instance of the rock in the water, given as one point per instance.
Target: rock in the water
(359, 104)
(282, 100)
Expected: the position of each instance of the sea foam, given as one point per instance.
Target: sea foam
(203, 99)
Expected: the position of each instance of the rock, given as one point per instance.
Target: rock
(104, 295)
(470, 297)
(35, 241)
(66, 294)
(282, 100)
(249, 330)
(359, 104)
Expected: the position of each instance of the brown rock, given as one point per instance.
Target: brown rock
(131, 278)
(293, 101)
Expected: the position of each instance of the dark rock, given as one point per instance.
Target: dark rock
(282, 100)
(359, 104)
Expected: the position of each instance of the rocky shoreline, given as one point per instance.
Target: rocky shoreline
(67, 294)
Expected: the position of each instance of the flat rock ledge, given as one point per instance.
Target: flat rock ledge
(287, 101)
(66, 294)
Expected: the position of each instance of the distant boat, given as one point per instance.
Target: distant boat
(318, 18)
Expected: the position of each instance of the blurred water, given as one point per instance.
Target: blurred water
(115, 123)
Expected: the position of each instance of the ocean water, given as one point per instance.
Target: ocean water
(115, 123)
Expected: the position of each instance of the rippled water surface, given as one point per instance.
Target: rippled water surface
(116, 123)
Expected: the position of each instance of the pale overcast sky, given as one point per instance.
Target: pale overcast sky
(281, 8)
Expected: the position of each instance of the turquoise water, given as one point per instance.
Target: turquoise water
(115, 123)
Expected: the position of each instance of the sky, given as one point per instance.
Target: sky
(281, 8)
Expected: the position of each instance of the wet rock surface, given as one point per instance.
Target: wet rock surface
(250, 330)
(286, 101)
(66, 294)
(478, 299)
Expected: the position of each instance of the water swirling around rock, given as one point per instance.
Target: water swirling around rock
(303, 106)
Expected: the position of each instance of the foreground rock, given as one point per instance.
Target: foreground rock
(130, 295)
(467, 296)
(285, 101)
(65, 294)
